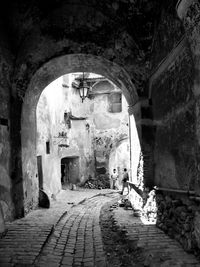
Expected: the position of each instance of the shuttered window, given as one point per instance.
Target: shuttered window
(115, 103)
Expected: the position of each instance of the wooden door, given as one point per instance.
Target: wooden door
(40, 171)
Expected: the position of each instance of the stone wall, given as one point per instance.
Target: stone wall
(99, 36)
(179, 217)
(49, 32)
(169, 32)
(189, 13)
(97, 28)
(6, 200)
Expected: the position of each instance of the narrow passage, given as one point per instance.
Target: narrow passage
(131, 243)
(94, 233)
(77, 239)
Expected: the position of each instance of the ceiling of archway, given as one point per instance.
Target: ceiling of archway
(122, 31)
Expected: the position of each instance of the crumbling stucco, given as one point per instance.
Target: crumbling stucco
(91, 145)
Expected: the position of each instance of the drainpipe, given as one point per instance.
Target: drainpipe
(190, 193)
(129, 122)
(180, 191)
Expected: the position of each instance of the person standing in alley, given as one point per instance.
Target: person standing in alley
(114, 178)
(125, 181)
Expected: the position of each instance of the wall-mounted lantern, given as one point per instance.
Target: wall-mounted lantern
(83, 88)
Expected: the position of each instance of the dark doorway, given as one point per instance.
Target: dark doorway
(69, 171)
(40, 171)
(43, 197)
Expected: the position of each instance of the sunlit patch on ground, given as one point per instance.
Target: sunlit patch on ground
(145, 207)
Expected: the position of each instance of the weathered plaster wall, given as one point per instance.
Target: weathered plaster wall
(175, 124)
(105, 128)
(176, 161)
(6, 59)
(51, 31)
(44, 76)
(171, 91)
(44, 31)
(92, 145)
(109, 130)
(168, 32)
(49, 112)
(178, 211)
(120, 158)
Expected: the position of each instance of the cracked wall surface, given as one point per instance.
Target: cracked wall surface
(92, 145)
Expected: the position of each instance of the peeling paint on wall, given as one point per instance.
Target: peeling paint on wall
(91, 139)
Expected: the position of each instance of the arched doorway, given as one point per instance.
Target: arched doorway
(69, 171)
(45, 75)
(120, 158)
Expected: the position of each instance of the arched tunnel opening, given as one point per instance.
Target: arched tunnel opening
(81, 140)
(149, 52)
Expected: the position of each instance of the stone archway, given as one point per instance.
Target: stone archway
(120, 157)
(45, 75)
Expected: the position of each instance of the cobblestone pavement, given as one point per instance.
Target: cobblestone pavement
(77, 240)
(67, 235)
(55, 231)
(156, 248)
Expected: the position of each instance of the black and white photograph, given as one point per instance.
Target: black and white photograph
(100, 133)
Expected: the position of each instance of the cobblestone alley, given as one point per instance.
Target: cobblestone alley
(71, 234)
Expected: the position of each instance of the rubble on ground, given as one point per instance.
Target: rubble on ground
(101, 182)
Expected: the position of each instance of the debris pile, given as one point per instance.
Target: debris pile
(101, 182)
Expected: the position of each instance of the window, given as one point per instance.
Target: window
(47, 147)
(115, 102)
